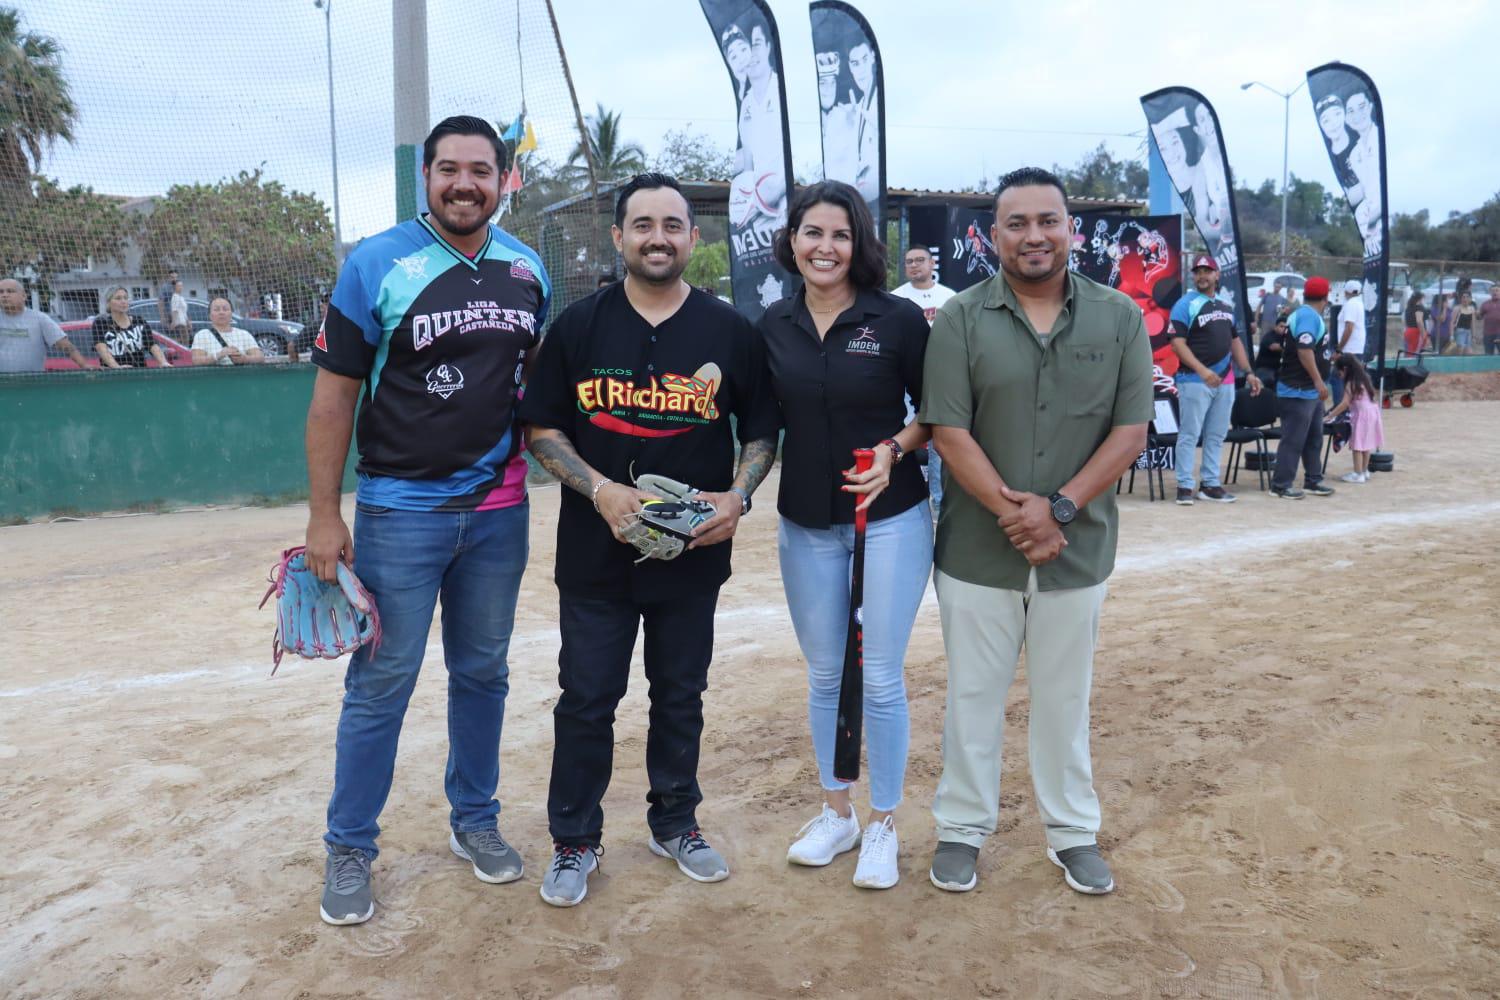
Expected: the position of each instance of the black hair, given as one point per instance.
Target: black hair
(921, 247)
(1030, 177)
(463, 125)
(606, 278)
(867, 261)
(650, 181)
(1354, 375)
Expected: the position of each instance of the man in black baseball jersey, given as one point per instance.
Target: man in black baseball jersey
(435, 320)
(641, 377)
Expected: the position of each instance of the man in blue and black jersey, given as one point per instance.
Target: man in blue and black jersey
(433, 322)
(1205, 341)
(1301, 392)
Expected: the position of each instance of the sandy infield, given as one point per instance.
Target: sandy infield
(1295, 741)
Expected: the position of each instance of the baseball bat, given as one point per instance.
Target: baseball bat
(852, 684)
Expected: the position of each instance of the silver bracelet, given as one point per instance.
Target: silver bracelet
(595, 495)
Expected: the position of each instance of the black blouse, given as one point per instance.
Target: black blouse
(843, 392)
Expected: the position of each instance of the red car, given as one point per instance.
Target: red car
(81, 333)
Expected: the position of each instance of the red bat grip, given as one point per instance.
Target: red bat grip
(864, 460)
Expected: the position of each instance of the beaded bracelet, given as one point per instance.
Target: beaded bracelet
(896, 452)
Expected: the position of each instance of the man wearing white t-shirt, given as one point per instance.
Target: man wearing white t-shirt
(922, 289)
(1352, 322)
(223, 343)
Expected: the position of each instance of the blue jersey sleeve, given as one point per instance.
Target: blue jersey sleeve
(351, 331)
(1182, 317)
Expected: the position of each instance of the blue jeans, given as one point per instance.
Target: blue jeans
(1202, 412)
(935, 480)
(474, 559)
(815, 569)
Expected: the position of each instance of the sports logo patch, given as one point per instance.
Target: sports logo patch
(864, 342)
(413, 267)
(444, 380)
(522, 270)
(322, 342)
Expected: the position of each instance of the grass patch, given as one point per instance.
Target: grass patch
(13, 520)
(278, 499)
(147, 507)
(58, 513)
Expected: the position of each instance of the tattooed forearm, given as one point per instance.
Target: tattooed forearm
(558, 457)
(755, 462)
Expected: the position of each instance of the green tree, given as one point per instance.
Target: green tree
(709, 263)
(57, 229)
(614, 159)
(251, 235)
(1100, 175)
(36, 108)
(693, 156)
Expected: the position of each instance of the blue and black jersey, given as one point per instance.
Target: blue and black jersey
(1308, 332)
(440, 340)
(1207, 324)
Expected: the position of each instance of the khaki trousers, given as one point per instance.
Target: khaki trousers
(984, 629)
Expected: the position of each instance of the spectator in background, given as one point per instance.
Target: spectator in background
(25, 334)
(1489, 314)
(1463, 320)
(223, 343)
(1271, 305)
(1441, 323)
(606, 279)
(922, 288)
(1351, 323)
(1416, 324)
(176, 315)
(1268, 354)
(122, 340)
(164, 297)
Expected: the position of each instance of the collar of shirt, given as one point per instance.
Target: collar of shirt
(1002, 296)
(867, 302)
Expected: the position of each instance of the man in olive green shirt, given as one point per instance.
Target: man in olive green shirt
(1038, 388)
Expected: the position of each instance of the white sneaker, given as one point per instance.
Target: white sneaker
(877, 857)
(1351, 477)
(824, 838)
(1364, 477)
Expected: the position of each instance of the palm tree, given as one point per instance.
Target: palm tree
(613, 159)
(36, 108)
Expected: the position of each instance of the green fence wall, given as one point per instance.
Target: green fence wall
(111, 440)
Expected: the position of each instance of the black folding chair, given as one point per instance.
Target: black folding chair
(1154, 443)
(1250, 422)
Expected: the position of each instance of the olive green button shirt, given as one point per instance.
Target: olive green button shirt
(1039, 407)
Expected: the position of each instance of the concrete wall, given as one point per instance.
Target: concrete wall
(109, 440)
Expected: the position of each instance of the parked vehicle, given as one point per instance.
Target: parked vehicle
(272, 335)
(80, 333)
(1448, 284)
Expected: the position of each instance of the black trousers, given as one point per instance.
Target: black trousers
(598, 636)
(1301, 437)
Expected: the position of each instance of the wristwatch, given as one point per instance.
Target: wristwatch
(1063, 509)
(745, 504)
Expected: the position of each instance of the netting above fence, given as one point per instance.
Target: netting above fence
(199, 139)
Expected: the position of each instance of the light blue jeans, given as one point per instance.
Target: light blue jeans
(474, 559)
(815, 570)
(935, 480)
(1202, 412)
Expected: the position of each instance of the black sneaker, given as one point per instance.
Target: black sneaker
(1184, 497)
(1318, 490)
(1289, 493)
(1217, 494)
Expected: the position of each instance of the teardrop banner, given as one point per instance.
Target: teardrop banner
(1350, 121)
(1185, 131)
(747, 38)
(851, 102)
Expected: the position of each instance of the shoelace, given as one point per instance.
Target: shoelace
(877, 843)
(571, 858)
(350, 871)
(692, 842)
(488, 841)
(822, 824)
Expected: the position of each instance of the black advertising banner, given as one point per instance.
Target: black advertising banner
(968, 255)
(1185, 131)
(851, 101)
(1350, 120)
(1140, 255)
(747, 39)
(927, 226)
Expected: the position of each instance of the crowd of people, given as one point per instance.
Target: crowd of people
(1453, 324)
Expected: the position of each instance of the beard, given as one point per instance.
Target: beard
(445, 215)
(666, 273)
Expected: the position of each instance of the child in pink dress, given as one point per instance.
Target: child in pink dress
(1366, 432)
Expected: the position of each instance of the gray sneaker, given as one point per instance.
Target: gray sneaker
(697, 860)
(493, 859)
(1084, 868)
(953, 866)
(346, 887)
(567, 878)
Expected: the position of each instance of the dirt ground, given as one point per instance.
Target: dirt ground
(1295, 734)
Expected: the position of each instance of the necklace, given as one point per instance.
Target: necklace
(835, 309)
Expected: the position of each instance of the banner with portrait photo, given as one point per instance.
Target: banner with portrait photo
(1185, 132)
(851, 101)
(1140, 255)
(747, 38)
(1350, 122)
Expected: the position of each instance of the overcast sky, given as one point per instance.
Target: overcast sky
(188, 90)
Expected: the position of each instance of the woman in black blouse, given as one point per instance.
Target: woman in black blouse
(844, 356)
(122, 340)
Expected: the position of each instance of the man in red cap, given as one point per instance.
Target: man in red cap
(1301, 391)
(1210, 349)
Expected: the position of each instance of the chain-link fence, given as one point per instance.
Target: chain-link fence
(156, 158)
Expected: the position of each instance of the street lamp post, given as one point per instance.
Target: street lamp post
(1286, 133)
(326, 6)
